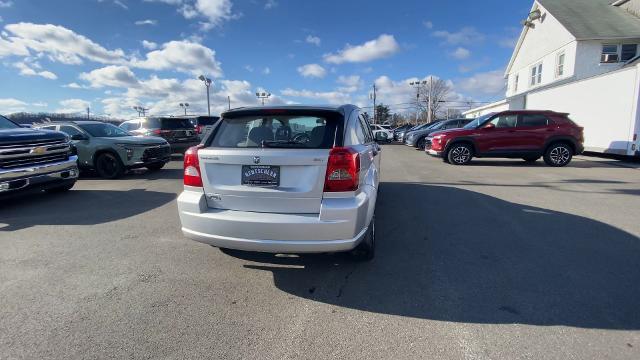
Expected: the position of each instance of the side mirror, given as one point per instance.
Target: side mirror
(381, 136)
(489, 126)
(78, 137)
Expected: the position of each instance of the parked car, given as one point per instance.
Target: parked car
(526, 134)
(109, 150)
(399, 129)
(418, 138)
(289, 179)
(32, 159)
(385, 132)
(402, 134)
(203, 124)
(178, 131)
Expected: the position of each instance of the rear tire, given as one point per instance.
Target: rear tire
(460, 154)
(109, 166)
(366, 250)
(421, 144)
(558, 154)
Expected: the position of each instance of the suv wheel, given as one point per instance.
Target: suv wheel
(460, 154)
(421, 143)
(558, 155)
(366, 250)
(109, 166)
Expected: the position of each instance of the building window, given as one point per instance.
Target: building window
(560, 65)
(515, 83)
(536, 74)
(628, 52)
(609, 54)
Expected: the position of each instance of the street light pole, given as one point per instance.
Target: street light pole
(417, 85)
(263, 95)
(430, 115)
(207, 82)
(185, 106)
(375, 110)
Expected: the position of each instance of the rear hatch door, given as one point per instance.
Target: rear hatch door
(269, 162)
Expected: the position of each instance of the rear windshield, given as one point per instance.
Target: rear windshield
(276, 131)
(169, 123)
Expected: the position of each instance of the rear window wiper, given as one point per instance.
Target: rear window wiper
(281, 143)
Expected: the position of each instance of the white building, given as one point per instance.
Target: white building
(580, 57)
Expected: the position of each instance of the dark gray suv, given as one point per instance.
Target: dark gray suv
(418, 138)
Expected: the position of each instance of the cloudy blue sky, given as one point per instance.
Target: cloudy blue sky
(65, 55)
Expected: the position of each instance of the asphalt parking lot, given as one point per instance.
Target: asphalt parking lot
(496, 260)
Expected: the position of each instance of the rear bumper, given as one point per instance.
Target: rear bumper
(340, 226)
(38, 176)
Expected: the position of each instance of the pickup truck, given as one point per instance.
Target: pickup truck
(33, 159)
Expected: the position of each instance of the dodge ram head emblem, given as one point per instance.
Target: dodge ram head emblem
(256, 159)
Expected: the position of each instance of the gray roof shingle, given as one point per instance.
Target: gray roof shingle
(594, 19)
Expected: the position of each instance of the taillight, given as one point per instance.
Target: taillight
(199, 129)
(343, 170)
(192, 167)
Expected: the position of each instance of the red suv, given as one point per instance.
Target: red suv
(526, 134)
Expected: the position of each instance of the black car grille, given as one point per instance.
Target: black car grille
(31, 154)
(427, 144)
(159, 152)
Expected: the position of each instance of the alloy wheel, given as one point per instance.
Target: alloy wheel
(559, 155)
(460, 154)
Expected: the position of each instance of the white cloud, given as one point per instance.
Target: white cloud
(73, 85)
(5, 4)
(382, 47)
(312, 70)
(266, 71)
(149, 45)
(121, 4)
(483, 84)
(214, 11)
(28, 70)
(508, 43)
(349, 83)
(313, 40)
(249, 68)
(270, 4)
(184, 56)
(466, 35)
(460, 53)
(332, 97)
(428, 24)
(59, 43)
(73, 106)
(11, 105)
(110, 76)
(146, 22)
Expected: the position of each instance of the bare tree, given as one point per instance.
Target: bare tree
(433, 89)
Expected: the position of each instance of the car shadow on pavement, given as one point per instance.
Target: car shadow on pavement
(78, 207)
(450, 254)
(138, 174)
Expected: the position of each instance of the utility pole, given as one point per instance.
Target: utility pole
(373, 96)
(430, 114)
(141, 110)
(88, 114)
(229, 100)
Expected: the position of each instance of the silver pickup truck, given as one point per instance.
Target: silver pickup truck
(35, 159)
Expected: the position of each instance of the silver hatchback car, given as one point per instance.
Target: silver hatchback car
(290, 179)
